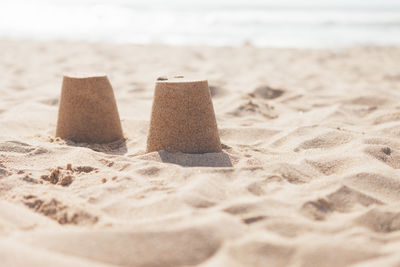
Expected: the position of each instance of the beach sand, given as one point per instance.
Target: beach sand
(308, 175)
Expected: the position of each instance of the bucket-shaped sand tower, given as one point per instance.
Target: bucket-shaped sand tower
(88, 111)
(182, 117)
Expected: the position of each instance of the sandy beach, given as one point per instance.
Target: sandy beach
(308, 175)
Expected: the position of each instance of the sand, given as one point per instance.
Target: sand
(308, 175)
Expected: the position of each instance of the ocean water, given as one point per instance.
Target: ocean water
(266, 23)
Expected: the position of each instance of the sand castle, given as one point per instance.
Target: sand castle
(88, 111)
(182, 117)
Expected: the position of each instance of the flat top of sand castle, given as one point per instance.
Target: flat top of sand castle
(84, 75)
(178, 79)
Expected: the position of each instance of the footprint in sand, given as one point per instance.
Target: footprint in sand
(56, 210)
(327, 140)
(267, 92)
(189, 246)
(384, 187)
(295, 174)
(3, 170)
(380, 221)
(16, 147)
(257, 252)
(330, 166)
(385, 154)
(254, 106)
(367, 101)
(342, 200)
(385, 118)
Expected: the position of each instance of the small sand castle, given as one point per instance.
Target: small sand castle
(182, 117)
(88, 111)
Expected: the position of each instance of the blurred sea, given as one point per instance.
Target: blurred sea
(290, 23)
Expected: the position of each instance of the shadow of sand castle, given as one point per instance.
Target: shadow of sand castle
(114, 148)
(220, 159)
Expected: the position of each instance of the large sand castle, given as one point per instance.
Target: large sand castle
(182, 118)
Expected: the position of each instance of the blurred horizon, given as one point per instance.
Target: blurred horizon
(289, 23)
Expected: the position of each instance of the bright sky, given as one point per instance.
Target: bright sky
(311, 3)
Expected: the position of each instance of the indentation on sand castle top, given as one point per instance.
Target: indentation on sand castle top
(88, 111)
(182, 118)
